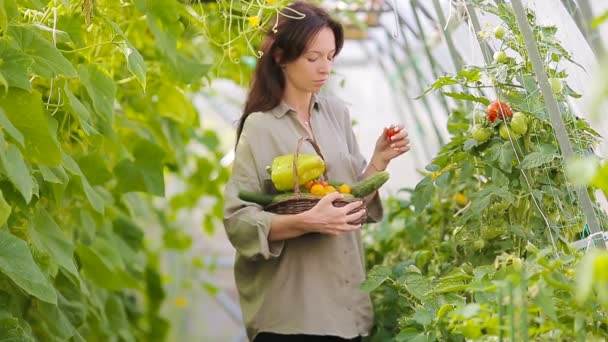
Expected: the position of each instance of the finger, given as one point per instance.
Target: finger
(401, 143)
(353, 227)
(352, 206)
(399, 136)
(331, 197)
(349, 228)
(355, 216)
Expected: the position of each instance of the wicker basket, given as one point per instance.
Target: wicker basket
(300, 202)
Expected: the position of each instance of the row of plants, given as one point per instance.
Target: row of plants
(480, 249)
(96, 118)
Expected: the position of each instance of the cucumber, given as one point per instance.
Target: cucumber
(369, 184)
(262, 199)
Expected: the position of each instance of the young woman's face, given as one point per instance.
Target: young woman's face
(311, 70)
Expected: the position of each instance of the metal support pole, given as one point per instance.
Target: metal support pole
(556, 119)
(485, 49)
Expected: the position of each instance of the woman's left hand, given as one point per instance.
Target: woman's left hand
(392, 143)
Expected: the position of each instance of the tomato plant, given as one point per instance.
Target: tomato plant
(498, 267)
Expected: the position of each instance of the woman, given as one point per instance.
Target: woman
(298, 275)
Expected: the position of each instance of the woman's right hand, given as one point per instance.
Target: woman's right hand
(326, 219)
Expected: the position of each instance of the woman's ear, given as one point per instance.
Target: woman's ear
(278, 57)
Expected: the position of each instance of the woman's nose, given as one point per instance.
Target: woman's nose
(325, 67)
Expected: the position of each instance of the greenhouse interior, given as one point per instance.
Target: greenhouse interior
(119, 157)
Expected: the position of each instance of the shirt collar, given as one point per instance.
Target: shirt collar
(283, 108)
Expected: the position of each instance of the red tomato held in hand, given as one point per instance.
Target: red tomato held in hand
(500, 110)
(390, 132)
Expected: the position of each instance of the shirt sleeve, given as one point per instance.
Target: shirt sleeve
(247, 224)
(374, 207)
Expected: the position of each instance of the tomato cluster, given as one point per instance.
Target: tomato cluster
(322, 188)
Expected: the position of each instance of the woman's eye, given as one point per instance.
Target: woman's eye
(312, 59)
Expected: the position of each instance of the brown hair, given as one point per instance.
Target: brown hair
(289, 39)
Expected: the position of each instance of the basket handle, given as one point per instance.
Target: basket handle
(296, 184)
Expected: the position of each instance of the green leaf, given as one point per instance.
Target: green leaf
(12, 331)
(506, 155)
(536, 159)
(92, 195)
(544, 300)
(14, 67)
(8, 11)
(10, 129)
(17, 171)
(411, 335)
(188, 70)
(81, 112)
(424, 316)
(584, 277)
(48, 60)
(468, 97)
(54, 174)
(597, 21)
(469, 144)
(131, 233)
(470, 75)
(174, 104)
(209, 225)
(54, 320)
(376, 277)
(416, 284)
(94, 198)
(93, 166)
(16, 262)
(102, 264)
(101, 89)
(25, 112)
(146, 173)
(177, 240)
(422, 194)
(117, 318)
(135, 62)
(47, 236)
(5, 210)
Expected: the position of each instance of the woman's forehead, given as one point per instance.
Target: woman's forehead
(322, 42)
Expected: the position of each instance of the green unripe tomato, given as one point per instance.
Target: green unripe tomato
(517, 264)
(519, 123)
(481, 134)
(499, 32)
(504, 132)
(500, 57)
(479, 244)
(557, 86)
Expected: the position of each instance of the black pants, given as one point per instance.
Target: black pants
(272, 337)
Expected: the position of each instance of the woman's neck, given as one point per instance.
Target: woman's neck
(299, 101)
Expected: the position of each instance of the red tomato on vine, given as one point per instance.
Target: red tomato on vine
(500, 110)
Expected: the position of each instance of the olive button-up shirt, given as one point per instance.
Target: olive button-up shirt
(308, 284)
